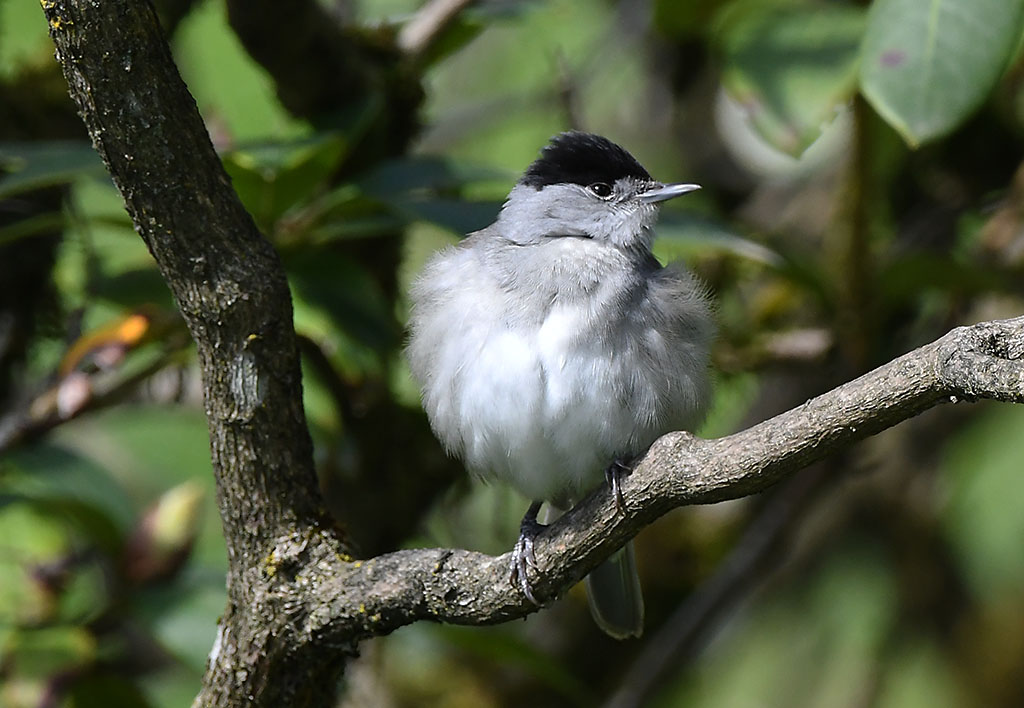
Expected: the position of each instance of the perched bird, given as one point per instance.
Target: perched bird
(552, 348)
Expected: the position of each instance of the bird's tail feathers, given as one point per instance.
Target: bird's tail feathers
(616, 601)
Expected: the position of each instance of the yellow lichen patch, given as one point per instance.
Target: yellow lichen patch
(270, 564)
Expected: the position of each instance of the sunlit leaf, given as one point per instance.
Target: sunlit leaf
(791, 66)
(106, 346)
(183, 616)
(928, 64)
(61, 480)
(983, 522)
(272, 178)
(334, 295)
(148, 449)
(689, 233)
(233, 92)
(44, 652)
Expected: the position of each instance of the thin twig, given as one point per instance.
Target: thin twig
(426, 26)
(39, 415)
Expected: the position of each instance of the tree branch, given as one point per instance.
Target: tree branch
(984, 361)
(428, 23)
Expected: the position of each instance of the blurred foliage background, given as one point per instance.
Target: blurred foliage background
(863, 193)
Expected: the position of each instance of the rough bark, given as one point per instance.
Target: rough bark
(297, 603)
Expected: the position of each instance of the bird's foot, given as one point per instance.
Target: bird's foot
(618, 468)
(522, 552)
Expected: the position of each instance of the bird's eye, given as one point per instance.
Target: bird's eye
(600, 189)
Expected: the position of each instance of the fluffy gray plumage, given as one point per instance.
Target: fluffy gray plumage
(552, 342)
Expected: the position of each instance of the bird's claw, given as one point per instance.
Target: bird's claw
(613, 474)
(523, 554)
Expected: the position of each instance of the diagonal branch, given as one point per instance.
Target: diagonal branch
(983, 361)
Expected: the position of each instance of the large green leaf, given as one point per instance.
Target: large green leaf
(926, 65)
(183, 616)
(147, 449)
(271, 178)
(338, 301)
(686, 234)
(431, 189)
(790, 65)
(34, 165)
(982, 519)
(61, 481)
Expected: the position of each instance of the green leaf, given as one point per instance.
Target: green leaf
(233, 92)
(148, 449)
(183, 616)
(45, 164)
(106, 689)
(683, 19)
(911, 275)
(982, 520)
(31, 537)
(686, 234)
(42, 653)
(459, 217)
(425, 189)
(39, 225)
(271, 178)
(338, 300)
(790, 65)
(926, 65)
(408, 174)
(62, 481)
(135, 287)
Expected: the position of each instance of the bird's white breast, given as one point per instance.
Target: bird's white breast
(545, 403)
(538, 406)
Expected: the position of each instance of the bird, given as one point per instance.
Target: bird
(552, 348)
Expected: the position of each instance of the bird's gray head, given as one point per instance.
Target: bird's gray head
(586, 186)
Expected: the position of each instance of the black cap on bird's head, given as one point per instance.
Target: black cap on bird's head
(583, 185)
(584, 159)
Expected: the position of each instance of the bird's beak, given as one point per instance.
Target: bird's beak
(661, 192)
